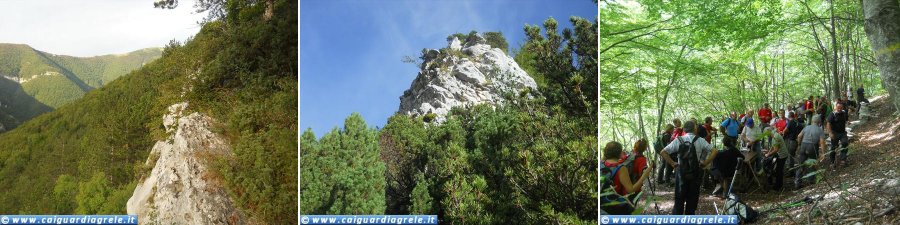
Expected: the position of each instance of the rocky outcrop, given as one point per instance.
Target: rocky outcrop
(463, 74)
(180, 188)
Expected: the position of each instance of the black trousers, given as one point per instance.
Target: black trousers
(687, 194)
(838, 144)
(664, 171)
(777, 176)
(807, 151)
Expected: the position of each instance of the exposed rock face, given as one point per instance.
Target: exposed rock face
(180, 189)
(463, 74)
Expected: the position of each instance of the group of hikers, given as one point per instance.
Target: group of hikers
(765, 141)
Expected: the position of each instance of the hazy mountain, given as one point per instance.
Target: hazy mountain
(33, 82)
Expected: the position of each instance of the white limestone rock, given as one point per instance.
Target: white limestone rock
(475, 73)
(180, 188)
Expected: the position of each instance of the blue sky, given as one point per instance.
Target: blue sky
(351, 50)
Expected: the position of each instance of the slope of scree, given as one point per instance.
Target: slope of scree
(463, 74)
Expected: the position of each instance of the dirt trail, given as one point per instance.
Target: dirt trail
(867, 191)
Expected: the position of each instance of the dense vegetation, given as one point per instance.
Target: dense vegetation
(54, 80)
(679, 59)
(85, 157)
(530, 161)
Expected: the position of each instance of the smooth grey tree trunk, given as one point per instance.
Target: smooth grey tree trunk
(882, 26)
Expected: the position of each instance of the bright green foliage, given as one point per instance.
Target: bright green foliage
(252, 91)
(249, 82)
(467, 201)
(525, 161)
(421, 200)
(662, 60)
(351, 177)
(564, 80)
(64, 193)
(97, 196)
(496, 40)
(106, 131)
(53, 91)
(55, 80)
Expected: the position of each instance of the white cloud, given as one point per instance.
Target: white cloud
(88, 28)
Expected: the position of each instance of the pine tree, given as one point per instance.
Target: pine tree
(420, 198)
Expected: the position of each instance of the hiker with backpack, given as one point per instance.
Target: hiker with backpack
(729, 129)
(615, 176)
(688, 168)
(636, 162)
(861, 95)
(836, 127)
(812, 139)
(776, 156)
(664, 173)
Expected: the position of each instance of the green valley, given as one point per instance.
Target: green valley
(34, 82)
(87, 155)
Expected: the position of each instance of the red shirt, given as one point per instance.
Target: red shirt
(780, 124)
(678, 132)
(640, 163)
(809, 105)
(616, 184)
(709, 132)
(765, 115)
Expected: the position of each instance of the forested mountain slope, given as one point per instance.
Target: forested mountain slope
(34, 82)
(240, 69)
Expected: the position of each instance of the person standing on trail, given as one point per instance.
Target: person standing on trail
(679, 131)
(752, 137)
(613, 175)
(729, 129)
(710, 130)
(790, 133)
(810, 109)
(779, 122)
(765, 116)
(688, 168)
(664, 173)
(724, 165)
(777, 154)
(837, 130)
(812, 139)
(861, 95)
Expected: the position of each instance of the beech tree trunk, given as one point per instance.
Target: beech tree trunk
(882, 26)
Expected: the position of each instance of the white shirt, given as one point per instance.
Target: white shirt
(701, 146)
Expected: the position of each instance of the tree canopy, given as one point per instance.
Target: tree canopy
(680, 59)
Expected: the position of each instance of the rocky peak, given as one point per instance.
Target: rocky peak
(462, 74)
(180, 189)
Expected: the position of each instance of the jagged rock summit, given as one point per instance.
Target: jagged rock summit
(463, 74)
(180, 189)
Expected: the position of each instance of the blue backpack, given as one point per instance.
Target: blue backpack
(610, 201)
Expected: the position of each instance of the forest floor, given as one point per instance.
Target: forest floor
(866, 191)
